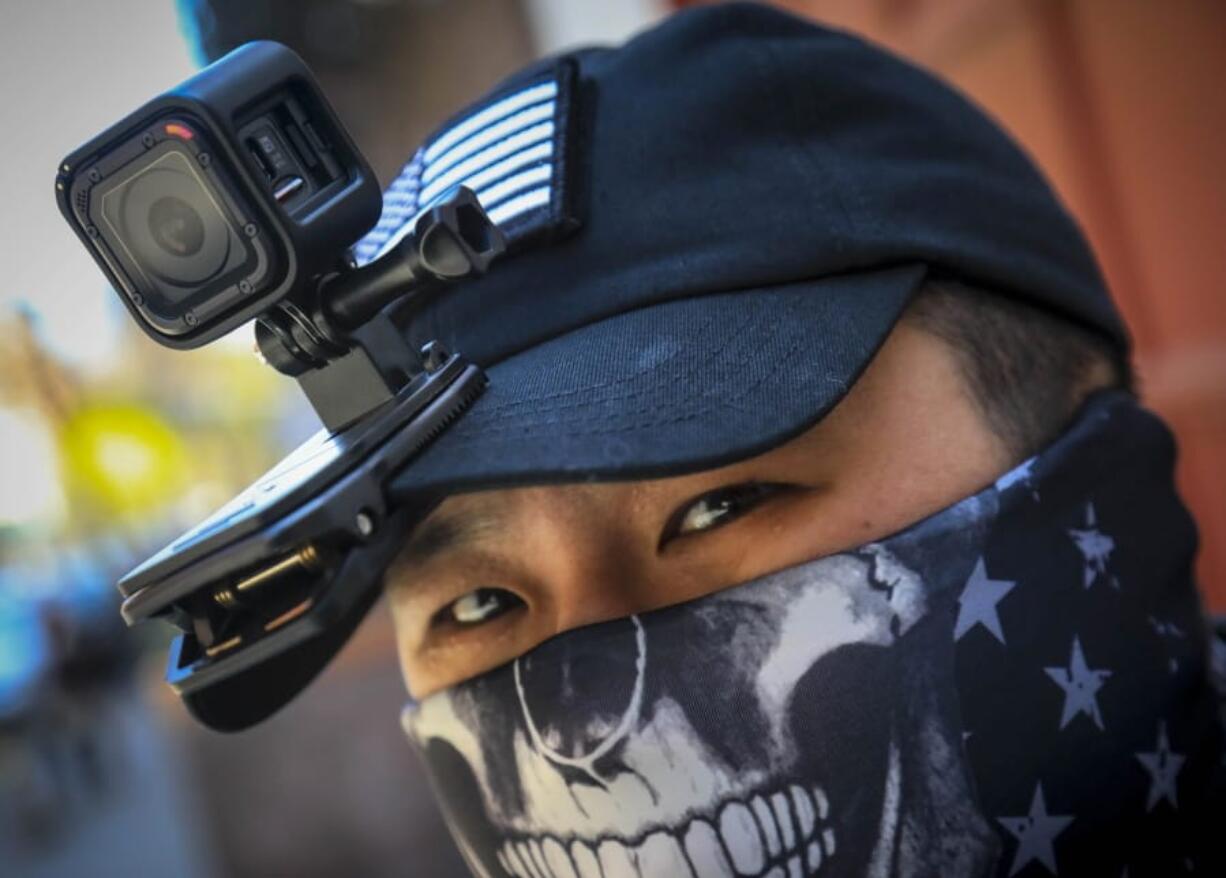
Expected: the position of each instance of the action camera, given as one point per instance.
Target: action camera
(219, 198)
(234, 197)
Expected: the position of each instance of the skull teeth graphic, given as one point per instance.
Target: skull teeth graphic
(778, 835)
(798, 725)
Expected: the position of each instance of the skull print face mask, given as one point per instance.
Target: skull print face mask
(1004, 686)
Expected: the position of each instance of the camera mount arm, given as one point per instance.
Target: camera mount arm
(345, 352)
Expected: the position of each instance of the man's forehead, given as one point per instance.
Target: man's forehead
(463, 520)
(478, 511)
(458, 520)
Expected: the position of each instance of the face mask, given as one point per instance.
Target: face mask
(1019, 679)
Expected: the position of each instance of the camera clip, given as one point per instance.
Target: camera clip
(271, 586)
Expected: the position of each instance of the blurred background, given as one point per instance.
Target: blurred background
(110, 445)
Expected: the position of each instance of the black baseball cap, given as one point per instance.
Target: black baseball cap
(713, 229)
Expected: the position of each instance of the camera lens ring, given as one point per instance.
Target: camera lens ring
(171, 223)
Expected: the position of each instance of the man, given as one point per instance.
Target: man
(808, 525)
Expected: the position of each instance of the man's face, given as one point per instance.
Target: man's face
(490, 575)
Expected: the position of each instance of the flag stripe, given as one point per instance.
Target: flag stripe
(487, 136)
(482, 178)
(497, 152)
(520, 204)
(509, 186)
(491, 114)
(507, 153)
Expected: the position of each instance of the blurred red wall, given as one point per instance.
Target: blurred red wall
(1123, 104)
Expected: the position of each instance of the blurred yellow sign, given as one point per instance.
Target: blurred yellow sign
(122, 459)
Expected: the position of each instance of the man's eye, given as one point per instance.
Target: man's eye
(717, 508)
(476, 607)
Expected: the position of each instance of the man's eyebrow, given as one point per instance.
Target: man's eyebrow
(435, 536)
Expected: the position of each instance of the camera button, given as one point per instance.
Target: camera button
(287, 188)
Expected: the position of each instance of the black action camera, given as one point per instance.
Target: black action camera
(213, 201)
(236, 196)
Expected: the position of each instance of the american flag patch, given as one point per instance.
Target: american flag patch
(511, 151)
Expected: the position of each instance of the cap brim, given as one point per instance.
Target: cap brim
(672, 388)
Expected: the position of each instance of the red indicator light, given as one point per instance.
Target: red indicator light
(174, 129)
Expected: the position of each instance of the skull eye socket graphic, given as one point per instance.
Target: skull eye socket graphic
(801, 724)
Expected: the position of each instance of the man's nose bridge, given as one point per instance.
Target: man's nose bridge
(602, 563)
(604, 580)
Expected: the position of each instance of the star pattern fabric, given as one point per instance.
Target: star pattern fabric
(1165, 629)
(1095, 547)
(1163, 766)
(1036, 834)
(1022, 474)
(977, 605)
(1080, 684)
(1093, 704)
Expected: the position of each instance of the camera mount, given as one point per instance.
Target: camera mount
(235, 197)
(347, 356)
(268, 588)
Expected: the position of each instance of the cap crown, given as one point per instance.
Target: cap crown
(737, 147)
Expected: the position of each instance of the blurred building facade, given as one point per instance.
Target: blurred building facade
(1120, 103)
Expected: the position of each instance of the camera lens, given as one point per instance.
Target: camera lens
(176, 226)
(170, 222)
